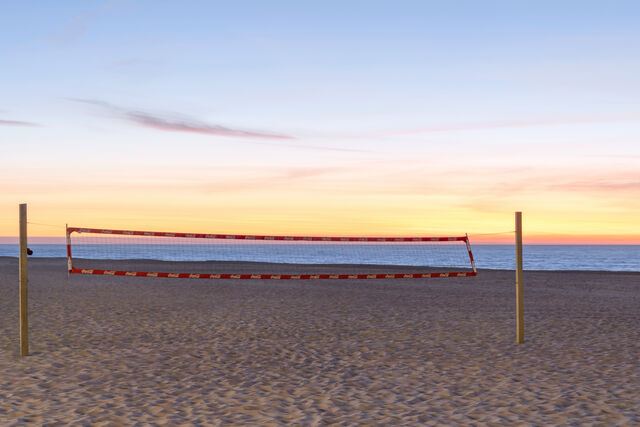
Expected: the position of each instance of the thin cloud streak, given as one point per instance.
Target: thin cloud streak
(131, 62)
(286, 178)
(253, 180)
(457, 127)
(79, 25)
(599, 186)
(155, 122)
(74, 29)
(158, 122)
(17, 123)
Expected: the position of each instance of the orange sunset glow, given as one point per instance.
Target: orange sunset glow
(420, 135)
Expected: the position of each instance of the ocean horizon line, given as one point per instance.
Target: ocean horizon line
(487, 256)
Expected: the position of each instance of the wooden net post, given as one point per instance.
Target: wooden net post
(519, 291)
(24, 317)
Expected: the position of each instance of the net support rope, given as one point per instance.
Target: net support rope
(73, 270)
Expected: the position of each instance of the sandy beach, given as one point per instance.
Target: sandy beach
(122, 350)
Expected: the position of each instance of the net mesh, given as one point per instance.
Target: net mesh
(138, 253)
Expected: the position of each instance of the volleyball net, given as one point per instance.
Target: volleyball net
(227, 256)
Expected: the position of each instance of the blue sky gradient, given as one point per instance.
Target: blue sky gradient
(479, 108)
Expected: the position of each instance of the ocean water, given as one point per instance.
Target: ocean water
(536, 257)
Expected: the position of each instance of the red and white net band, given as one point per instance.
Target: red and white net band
(269, 276)
(256, 237)
(301, 240)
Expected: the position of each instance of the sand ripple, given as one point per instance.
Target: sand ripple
(120, 351)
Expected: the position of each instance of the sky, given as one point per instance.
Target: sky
(331, 118)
